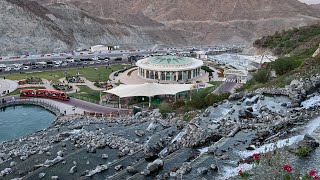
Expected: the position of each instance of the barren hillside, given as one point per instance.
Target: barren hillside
(68, 24)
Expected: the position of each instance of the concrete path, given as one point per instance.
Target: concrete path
(75, 106)
(227, 86)
(6, 84)
(86, 83)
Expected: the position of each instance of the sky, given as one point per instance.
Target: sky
(311, 1)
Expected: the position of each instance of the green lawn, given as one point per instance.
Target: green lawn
(87, 94)
(88, 72)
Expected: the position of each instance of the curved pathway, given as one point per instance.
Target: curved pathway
(75, 106)
(6, 84)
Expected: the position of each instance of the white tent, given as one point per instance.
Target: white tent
(149, 89)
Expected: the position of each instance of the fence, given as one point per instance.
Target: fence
(38, 102)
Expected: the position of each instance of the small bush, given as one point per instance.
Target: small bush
(262, 76)
(178, 104)
(165, 108)
(286, 64)
(303, 151)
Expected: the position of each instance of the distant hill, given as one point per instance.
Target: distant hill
(69, 24)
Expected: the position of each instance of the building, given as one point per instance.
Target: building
(100, 48)
(169, 68)
(241, 75)
(201, 55)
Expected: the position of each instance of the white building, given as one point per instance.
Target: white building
(241, 75)
(201, 55)
(99, 48)
(169, 68)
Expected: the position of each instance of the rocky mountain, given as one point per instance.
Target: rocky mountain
(26, 26)
(209, 21)
(69, 24)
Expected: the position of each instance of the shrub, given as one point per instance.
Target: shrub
(178, 104)
(262, 76)
(165, 108)
(286, 64)
(303, 151)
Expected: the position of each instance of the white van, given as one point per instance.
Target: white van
(3, 66)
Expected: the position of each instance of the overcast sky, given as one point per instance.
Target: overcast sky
(311, 1)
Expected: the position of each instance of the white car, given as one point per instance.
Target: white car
(64, 64)
(26, 68)
(7, 69)
(17, 68)
(70, 60)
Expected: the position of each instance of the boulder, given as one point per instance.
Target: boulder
(41, 175)
(54, 177)
(139, 133)
(214, 167)
(118, 167)
(202, 170)
(12, 163)
(184, 169)
(155, 166)
(131, 170)
(73, 169)
(236, 96)
(105, 156)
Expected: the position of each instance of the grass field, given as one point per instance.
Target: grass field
(90, 73)
(87, 94)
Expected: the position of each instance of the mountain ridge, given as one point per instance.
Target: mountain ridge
(74, 24)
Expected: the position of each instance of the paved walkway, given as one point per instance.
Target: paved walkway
(227, 86)
(6, 84)
(86, 83)
(75, 106)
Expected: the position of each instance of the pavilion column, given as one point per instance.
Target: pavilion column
(177, 75)
(165, 75)
(145, 73)
(159, 75)
(191, 74)
(154, 75)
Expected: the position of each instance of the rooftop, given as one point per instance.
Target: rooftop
(169, 60)
(169, 63)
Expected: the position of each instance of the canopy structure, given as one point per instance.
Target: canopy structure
(149, 89)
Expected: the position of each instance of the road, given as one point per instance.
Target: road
(227, 86)
(112, 55)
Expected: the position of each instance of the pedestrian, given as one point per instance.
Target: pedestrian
(65, 112)
(8, 91)
(13, 99)
(4, 77)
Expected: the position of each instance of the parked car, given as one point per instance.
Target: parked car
(25, 68)
(118, 59)
(7, 69)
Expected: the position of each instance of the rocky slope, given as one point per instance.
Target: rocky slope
(209, 21)
(27, 26)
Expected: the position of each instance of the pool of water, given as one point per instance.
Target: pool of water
(19, 121)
